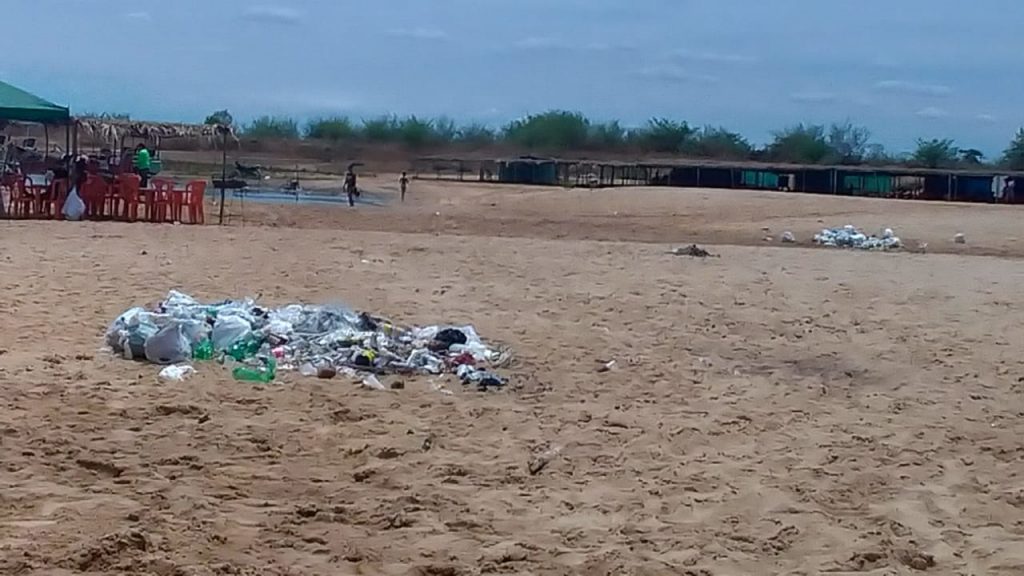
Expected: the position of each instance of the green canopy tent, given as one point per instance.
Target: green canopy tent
(16, 105)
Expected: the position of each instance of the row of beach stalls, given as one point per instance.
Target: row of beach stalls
(887, 182)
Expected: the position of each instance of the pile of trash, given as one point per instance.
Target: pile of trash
(850, 237)
(315, 340)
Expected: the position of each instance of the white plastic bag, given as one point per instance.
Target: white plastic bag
(228, 330)
(178, 373)
(168, 346)
(74, 208)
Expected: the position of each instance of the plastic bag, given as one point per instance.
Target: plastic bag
(74, 208)
(168, 346)
(178, 373)
(229, 330)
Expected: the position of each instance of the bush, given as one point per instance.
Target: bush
(721, 143)
(278, 127)
(335, 129)
(607, 136)
(415, 132)
(556, 130)
(476, 134)
(381, 129)
(663, 135)
(800, 144)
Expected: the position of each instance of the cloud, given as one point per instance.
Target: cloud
(712, 57)
(674, 75)
(272, 14)
(907, 87)
(814, 97)
(541, 43)
(418, 33)
(141, 16)
(986, 118)
(931, 112)
(549, 44)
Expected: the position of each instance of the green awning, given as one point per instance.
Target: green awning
(19, 106)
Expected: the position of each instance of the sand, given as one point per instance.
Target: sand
(775, 410)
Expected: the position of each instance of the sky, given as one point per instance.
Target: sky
(903, 68)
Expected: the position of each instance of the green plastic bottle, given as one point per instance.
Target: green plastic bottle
(203, 350)
(244, 349)
(262, 374)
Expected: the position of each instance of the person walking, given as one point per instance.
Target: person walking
(404, 184)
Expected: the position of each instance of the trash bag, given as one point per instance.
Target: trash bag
(168, 346)
(229, 330)
(74, 208)
(445, 338)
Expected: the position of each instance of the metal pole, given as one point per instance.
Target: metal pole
(223, 176)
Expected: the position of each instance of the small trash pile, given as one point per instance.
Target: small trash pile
(850, 237)
(692, 250)
(315, 340)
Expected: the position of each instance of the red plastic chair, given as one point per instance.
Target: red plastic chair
(20, 204)
(127, 197)
(193, 198)
(94, 195)
(52, 205)
(159, 202)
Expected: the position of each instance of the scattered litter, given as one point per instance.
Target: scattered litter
(178, 373)
(694, 251)
(482, 378)
(850, 237)
(264, 373)
(321, 341)
(607, 367)
(373, 383)
(788, 238)
(960, 238)
(540, 461)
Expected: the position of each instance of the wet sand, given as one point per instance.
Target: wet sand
(775, 410)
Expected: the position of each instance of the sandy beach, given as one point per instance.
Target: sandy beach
(777, 409)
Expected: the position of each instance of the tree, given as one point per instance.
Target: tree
(476, 134)
(721, 143)
(1013, 156)
(663, 135)
(935, 153)
(415, 132)
(800, 144)
(849, 143)
(609, 135)
(972, 156)
(555, 130)
(381, 129)
(220, 118)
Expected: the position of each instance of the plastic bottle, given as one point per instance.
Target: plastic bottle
(203, 350)
(263, 374)
(243, 349)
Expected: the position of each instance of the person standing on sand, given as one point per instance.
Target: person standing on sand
(350, 187)
(1010, 191)
(404, 183)
(143, 163)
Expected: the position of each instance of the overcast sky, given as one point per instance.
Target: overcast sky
(904, 68)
